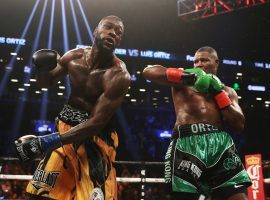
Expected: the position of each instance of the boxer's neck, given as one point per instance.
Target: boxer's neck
(99, 58)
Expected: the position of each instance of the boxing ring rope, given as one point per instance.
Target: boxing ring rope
(119, 179)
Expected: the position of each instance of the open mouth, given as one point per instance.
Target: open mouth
(110, 41)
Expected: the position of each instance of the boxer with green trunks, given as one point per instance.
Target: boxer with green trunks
(202, 158)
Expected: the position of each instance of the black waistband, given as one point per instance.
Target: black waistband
(193, 129)
(72, 116)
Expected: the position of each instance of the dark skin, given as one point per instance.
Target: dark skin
(194, 107)
(99, 80)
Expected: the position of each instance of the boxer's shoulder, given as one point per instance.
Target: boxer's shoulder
(72, 54)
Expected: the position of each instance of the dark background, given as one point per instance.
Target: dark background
(149, 25)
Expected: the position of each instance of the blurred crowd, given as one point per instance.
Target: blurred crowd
(15, 189)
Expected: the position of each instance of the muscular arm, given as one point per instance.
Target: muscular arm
(157, 74)
(104, 109)
(233, 115)
(50, 78)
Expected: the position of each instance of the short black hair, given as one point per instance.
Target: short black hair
(208, 49)
(113, 17)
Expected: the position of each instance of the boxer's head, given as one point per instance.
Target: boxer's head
(206, 58)
(109, 32)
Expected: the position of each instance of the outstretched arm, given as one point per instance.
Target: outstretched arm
(157, 74)
(169, 76)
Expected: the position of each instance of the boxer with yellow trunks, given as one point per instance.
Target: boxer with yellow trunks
(79, 156)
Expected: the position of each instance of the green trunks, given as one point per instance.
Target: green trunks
(201, 159)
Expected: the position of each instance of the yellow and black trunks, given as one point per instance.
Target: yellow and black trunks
(73, 173)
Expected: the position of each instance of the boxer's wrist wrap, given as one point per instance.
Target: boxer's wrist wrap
(222, 100)
(50, 142)
(174, 75)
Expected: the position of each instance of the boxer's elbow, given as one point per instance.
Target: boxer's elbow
(147, 72)
(154, 72)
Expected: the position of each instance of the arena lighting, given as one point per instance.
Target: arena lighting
(193, 10)
(256, 88)
(170, 56)
(90, 33)
(43, 126)
(189, 58)
(232, 62)
(65, 40)
(21, 104)
(14, 80)
(258, 64)
(133, 77)
(27, 69)
(236, 86)
(51, 25)
(164, 133)
(64, 27)
(32, 80)
(77, 30)
(13, 58)
(44, 101)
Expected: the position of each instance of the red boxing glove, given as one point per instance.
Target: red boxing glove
(222, 100)
(174, 75)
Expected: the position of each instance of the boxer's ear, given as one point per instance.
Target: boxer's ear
(95, 31)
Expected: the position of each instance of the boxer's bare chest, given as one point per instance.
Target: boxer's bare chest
(88, 80)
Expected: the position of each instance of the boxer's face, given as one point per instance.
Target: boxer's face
(109, 33)
(206, 61)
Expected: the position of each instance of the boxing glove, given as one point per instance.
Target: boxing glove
(211, 83)
(202, 83)
(197, 71)
(45, 60)
(30, 147)
(220, 96)
(208, 83)
(178, 75)
(215, 84)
